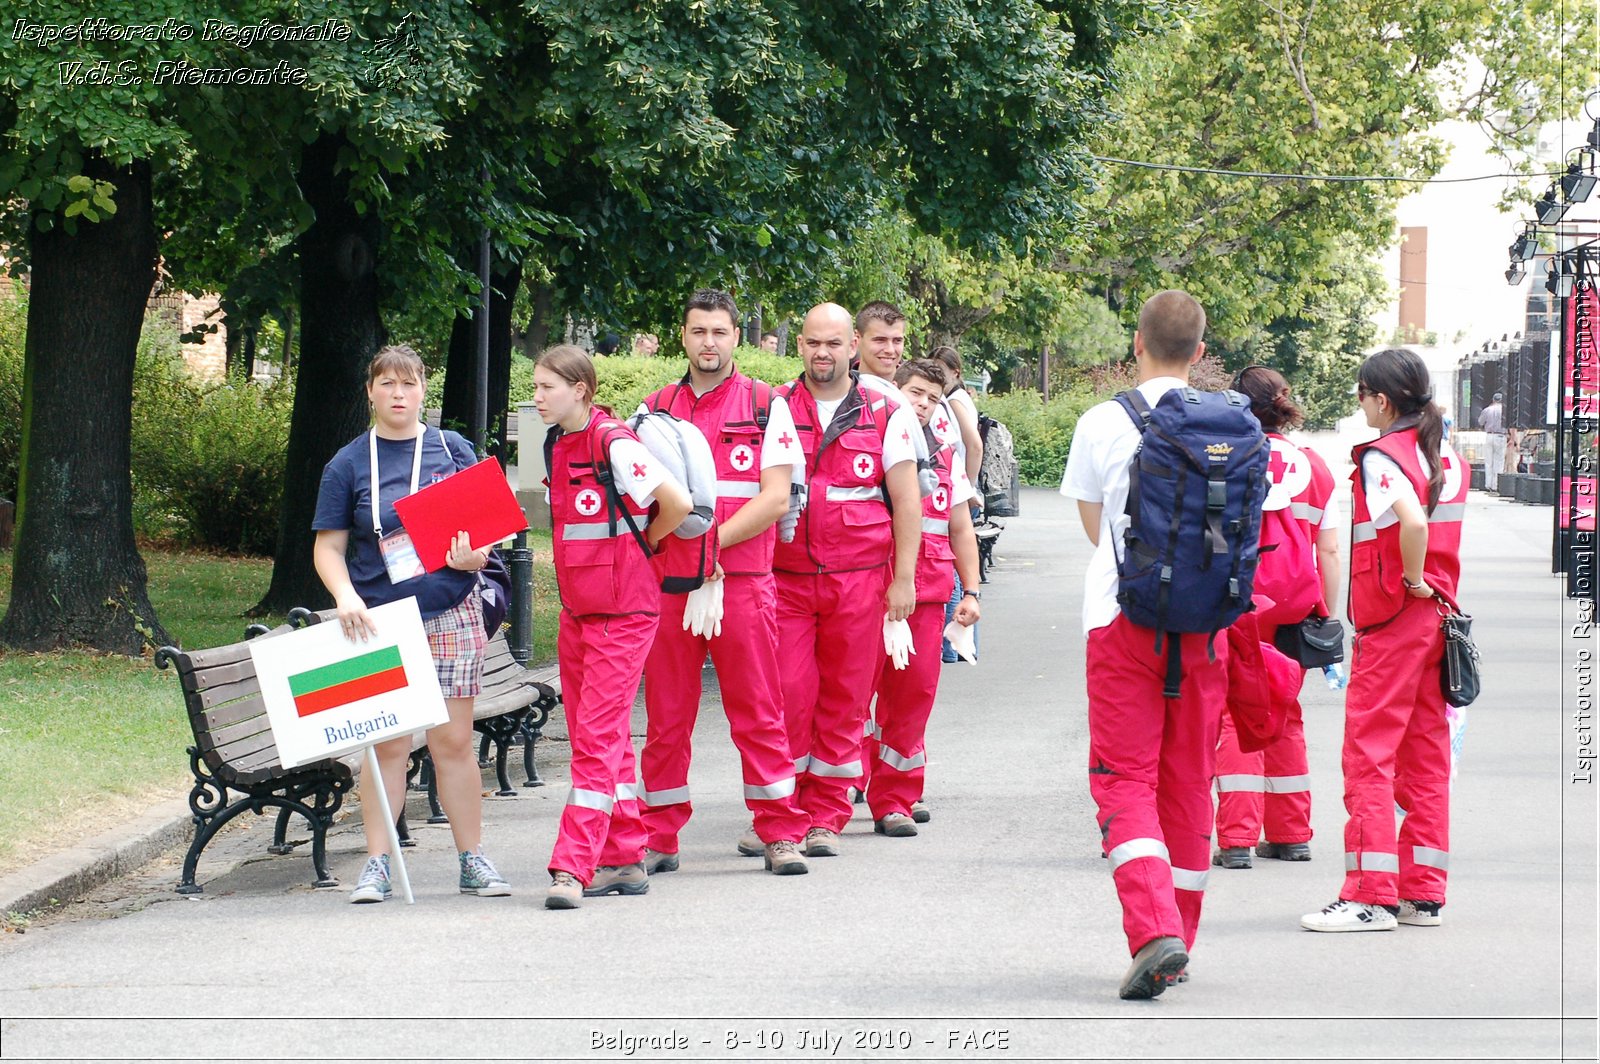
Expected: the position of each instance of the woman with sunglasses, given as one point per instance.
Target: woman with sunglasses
(1409, 497)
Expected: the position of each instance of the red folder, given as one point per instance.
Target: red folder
(477, 501)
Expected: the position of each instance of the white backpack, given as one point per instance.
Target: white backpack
(683, 450)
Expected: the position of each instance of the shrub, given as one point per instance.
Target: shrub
(207, 457)
(1041, 432)
(13, 334)
(625, 380)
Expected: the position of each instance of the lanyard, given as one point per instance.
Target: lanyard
(416, 471)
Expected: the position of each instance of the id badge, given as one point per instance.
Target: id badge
(400, 558)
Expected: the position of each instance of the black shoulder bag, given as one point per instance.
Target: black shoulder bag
(1459, 677)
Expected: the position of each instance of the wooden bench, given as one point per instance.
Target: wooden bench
(234, 749)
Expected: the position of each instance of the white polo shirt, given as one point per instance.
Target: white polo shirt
(1097, 471)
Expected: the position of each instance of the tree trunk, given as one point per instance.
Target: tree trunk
(537, 335)
(78, 578)
(461, 369)
(340, 330)
(285, 358)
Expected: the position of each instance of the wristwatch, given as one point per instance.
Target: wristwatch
(974, 594)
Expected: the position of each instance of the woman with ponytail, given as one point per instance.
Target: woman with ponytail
(1408, 498)
(1265, 794)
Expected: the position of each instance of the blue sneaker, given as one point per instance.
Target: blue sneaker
(478, 876)
(374, 882)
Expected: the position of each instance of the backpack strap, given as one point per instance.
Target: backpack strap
(760, 403)
(1137, 408)
(603, 432)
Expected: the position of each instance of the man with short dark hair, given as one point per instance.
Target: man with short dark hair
(1150, 758)
(755, 446)
(769, 342)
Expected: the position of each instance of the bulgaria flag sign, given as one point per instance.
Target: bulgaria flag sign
(327, 695)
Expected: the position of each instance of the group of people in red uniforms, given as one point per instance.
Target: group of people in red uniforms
(868, 551)
(1153, 759)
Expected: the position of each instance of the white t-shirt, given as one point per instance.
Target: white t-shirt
(636, 472)
(1383, 481)
(780, 444)
(960, 487)
(946, 429)
(1097, 471)
(901, 436)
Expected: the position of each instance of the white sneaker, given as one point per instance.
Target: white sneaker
(1350, 916)
(1420, 913)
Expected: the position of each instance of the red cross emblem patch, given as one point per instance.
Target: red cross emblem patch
(785, 440)
(941, 500)
(1383, 482)
(639, 470)
(943, 426)
(588, 502)
(741, 458)
(864, 466)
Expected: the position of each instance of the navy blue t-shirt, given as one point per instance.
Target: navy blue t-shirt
(344, 504)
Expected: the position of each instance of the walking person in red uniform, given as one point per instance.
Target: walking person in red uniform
(906, 696)
(755, 447)
(1271, 788)
(834, 580)
(604, 488)
(1150, 757)
(1409, 497)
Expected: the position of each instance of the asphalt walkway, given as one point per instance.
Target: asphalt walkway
(993, 935)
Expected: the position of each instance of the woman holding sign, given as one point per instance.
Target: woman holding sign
(611, 503)
(365, 559)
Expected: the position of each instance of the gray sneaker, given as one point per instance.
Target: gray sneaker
(478, 876)
(1156, 966)
(750, 844)
(1284, 851)
(656, 861)
(374, 882)
(920, 813)
(565, 891)
(785, 859)
(627, 880)
(820, 842)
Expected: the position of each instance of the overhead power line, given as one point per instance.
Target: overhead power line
(1320, 177)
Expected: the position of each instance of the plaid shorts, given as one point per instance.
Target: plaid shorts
(457, 641)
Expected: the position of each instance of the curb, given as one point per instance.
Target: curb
(72, 873)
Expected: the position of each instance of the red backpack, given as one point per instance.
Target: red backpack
(1287, 571)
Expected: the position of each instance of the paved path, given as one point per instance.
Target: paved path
(1000, 917)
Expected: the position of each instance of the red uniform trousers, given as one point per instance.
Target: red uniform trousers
(898, 755)
(1150, 767)
(1275, 781)
(830, 640)
(746, 657)
(1397, 749)
(601, 660)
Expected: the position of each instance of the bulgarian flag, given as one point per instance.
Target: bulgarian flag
(350, 680)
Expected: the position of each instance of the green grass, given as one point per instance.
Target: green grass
(88, 739)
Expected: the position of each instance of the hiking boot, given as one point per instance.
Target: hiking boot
(1155, 967)
(785, 859)
(1345, 915)
(627, 880)
(656, 861)
(750, 844)
(478, 876)
(896, 826)
(820, 842)
(565, 891)
(857, 795)
(1284, 851)
(1232, 857)
(919, 812)
(374, 882)
(1420, 913)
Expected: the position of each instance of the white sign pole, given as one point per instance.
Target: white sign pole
(396, 862)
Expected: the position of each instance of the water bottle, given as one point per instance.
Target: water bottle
(1334, 674)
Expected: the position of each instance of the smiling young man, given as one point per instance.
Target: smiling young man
(834, 579)
(755, 446)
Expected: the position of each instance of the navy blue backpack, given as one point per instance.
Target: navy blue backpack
(1196, 485)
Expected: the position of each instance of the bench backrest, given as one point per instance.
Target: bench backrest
(223, 700)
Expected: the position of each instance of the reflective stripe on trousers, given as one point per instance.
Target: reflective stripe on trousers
(1372, 862)
(1263, 784)
(895, 759)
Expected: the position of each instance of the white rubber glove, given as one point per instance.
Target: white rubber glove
(897, 642)
(963, 641)
(694, 609)
(711, 619)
